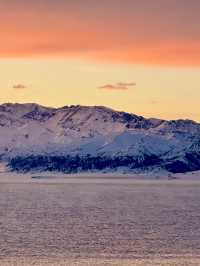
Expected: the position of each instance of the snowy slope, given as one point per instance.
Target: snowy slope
(31, 129)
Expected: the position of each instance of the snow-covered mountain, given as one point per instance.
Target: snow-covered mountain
(84, 138)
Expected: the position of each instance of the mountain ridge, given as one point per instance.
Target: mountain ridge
(98, 134)
(36, 105)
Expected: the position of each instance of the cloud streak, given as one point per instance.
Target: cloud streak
(19, 87)
(118, 86)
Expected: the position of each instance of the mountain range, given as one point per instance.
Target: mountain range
(82, 138)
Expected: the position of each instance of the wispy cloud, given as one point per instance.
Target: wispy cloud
(118, 86)
(126, 84)
(153, 102)
(19, 86)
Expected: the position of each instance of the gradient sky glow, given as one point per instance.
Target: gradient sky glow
(60, 52)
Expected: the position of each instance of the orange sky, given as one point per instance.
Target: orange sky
(155, 44)
(158, 32)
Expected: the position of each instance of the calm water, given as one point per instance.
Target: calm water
(87, 218)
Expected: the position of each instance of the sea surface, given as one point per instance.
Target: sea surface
(115, 222)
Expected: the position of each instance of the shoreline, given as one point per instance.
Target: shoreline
(183, 261)
(113, 178)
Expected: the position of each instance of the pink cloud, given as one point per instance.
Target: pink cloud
(118, 86)
(19, 87)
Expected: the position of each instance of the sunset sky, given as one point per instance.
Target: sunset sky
(138, 56)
